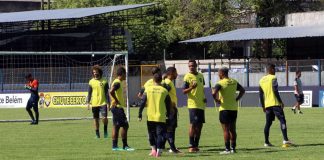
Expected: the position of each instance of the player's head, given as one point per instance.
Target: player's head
(298, 73)
(157, 78)
(164, 76)
(121, 73)
(29, 77)
(271, 68)
(223, 72)
(155, 70)
(172, 73)
(192, 66)
(96, 72)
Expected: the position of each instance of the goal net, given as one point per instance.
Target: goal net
(63, 79)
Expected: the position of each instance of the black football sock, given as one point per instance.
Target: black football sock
(227, 145)
(105, 129)
(97, 133)
(196, 141)
(125, 143)
(171, 140)
(31, 114)
(115, 143)
(192, 142)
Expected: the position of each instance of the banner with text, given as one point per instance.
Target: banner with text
(308, 99)
(62, 99)
(46, 100)
(18, 100)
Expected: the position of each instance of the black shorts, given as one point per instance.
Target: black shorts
(32, 103)
(172, 121)
(119, 117)
(101, 109)
(299, 98)
(227, 116)
(275, 111)
(196, 116)
(156, 128)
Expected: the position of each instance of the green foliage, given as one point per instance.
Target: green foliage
(177, 20)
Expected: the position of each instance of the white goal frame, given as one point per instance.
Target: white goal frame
(75, 53)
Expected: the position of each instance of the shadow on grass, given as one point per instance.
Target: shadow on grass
(200, 147)
(309, 145)
(195, 155)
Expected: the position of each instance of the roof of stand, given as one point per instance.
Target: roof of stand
(38, 15)
(263, 33)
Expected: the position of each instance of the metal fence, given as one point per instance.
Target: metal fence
(249, 72)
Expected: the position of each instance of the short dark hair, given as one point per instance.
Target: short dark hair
(192, 60)
(224, 70)
(121, 71)
(156, 70)
(98, 69)
(298, 71)
(270, 66)
(29, 75)
(170, 70)
(157, 77)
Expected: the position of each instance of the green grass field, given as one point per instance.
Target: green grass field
(75, 139)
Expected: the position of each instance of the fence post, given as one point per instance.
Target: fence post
(319, 72)
(287, 74)
(70, 83)
(247, 67)
(209, 75)
(174, 81)
(1, 78)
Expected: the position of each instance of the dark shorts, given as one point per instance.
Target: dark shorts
(119, 117)
(156, 128)
(32, 103)
(227, 116)
(172, 121)
(273, 112)
(299, 98)
(196, 116)
(97, 110)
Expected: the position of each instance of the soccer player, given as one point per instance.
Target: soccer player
(272, 105)
(117, 109)
(194, 88)
(98, 98)
(149, 82)
(32, 86)
(172, 121)
(158, 101)
(298, 86)
(225, 95)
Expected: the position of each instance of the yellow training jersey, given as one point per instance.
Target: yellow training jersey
(172, 91)
(150, 82)
(266, 84)
(98, 96)
(155, 102)
(119, 93)
(196, 97)
(227, 94)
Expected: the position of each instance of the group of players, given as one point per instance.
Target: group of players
(159, 96)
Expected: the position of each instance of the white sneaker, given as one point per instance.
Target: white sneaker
(225, 152)
(233, 151)
(268, 145)
(287, 142)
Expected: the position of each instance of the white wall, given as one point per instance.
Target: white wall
(305, 19)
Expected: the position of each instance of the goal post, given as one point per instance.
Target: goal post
(59, 71)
